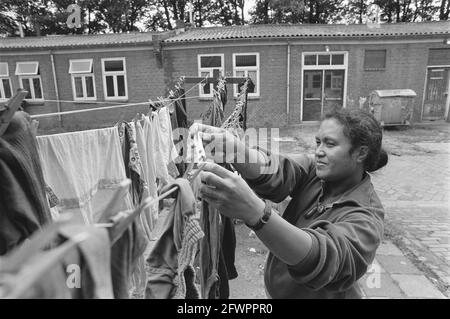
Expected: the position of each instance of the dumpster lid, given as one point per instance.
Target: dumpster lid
(399, 92)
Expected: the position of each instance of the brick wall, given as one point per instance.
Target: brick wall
(267, 110)
(149, 76)
(145, 80)
(405, 69)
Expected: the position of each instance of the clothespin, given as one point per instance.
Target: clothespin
(10, 108)
(152, 105)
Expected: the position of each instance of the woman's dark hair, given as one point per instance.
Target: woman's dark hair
(362, 129)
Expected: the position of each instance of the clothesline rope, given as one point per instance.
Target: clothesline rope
(112, 106)
(106, 108)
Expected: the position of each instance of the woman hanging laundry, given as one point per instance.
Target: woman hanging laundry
(331, 229)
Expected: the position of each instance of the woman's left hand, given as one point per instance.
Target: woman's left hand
(230, 194)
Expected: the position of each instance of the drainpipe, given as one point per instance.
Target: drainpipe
(288, 77)
(55, 82)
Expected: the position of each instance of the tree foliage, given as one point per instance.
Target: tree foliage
(42, 17)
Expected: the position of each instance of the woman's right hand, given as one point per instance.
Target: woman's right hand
(220, 144)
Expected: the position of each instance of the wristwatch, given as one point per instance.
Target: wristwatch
(264, 218)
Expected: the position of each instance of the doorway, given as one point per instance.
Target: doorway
(436, 100)
(324, 84)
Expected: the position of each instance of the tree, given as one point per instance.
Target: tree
(303, 11)
(444, 10)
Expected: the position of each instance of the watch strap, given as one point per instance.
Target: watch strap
(264, 218)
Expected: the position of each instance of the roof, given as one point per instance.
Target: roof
(311, 31)
(58, 41)
(258, 31)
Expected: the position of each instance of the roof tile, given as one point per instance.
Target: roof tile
(311, 30)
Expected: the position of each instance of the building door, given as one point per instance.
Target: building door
(435, 106)
(324, 80)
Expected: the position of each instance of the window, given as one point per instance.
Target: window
(5, 82)
(207, 63)
(375, 60)
(247, 65)
(83, 84)
(114, 79)
(324, 59)
(30, 80)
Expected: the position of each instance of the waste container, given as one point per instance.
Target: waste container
(392, 107)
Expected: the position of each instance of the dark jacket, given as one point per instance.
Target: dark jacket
(345, 236)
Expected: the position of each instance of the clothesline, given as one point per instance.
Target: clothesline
(107, 107)
(114, 106)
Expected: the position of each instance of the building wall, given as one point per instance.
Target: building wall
(145, 80)
(48, 87)
(149, 76)
(406, 65)
(269, 109)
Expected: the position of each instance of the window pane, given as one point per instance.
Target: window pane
(78, 86)
(26, 87)
(335, 88)
(37, 88)
(206, 88)
(246, 60)
(312, 95)
(114, 66)
(252, 75)
(27, 68)
(4, 69)
(327, 80)
(337, 59)
(89, 86)
(375, 59)
(324, 59)
(316, 81)
(211, 61)
(80, 66)
(109, 86)
(121, 85)
(310, 59)
(7, 88)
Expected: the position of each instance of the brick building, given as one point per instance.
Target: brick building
(83, 71)
(300, 71)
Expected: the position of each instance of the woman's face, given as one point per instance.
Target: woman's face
(334, 161)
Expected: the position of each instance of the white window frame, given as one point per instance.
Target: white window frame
(30, 76)
(318, 67)
(27, 62)
(2, 89)
(115, 74)
(83, 76)
(210, 70)
(246, 69)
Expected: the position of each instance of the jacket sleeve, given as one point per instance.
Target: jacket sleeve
(341, 252)
(281, 176)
